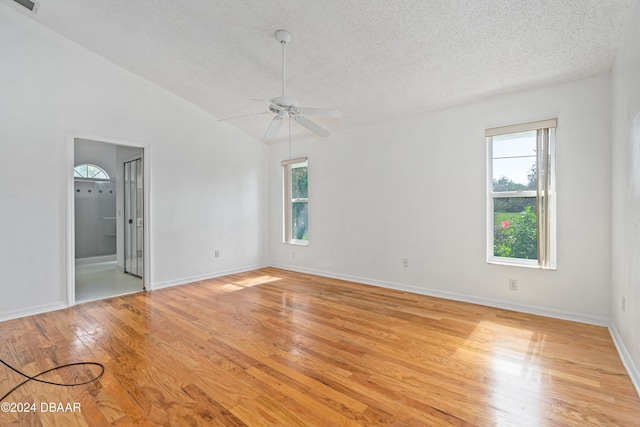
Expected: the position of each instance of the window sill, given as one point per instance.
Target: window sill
(297, 242)
(519, 263)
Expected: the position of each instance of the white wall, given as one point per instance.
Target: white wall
(415, 188)
(626, 194)
(208, 180)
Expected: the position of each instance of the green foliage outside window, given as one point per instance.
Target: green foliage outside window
(515, 230)
(516, 237)
(299, 206)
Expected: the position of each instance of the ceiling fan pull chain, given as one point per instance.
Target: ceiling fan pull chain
(289, 137)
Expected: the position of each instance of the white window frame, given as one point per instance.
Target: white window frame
(545, 194)
(287, 166)
(82, 172)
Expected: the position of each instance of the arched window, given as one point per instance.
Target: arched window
(90, 171)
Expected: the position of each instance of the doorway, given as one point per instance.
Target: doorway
(108, 220)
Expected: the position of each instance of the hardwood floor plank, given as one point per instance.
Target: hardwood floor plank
(264, 411)
(308, 404)
(274, 347)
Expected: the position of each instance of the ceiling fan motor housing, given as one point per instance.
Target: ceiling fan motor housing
(285, 102)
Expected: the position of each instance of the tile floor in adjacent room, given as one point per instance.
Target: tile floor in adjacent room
(103, 280)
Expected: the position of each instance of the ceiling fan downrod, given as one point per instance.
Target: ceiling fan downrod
(284, 37)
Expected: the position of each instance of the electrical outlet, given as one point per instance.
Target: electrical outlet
(293, 255)
(513, 284)
(216, 254)
(624, 304)
(405, 262)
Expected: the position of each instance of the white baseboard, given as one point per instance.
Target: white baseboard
(30, 311)
(540, 311)
(212, 275)
(627, 361)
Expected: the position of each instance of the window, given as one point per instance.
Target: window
(521, 194)
(296, 201)
(90, 171)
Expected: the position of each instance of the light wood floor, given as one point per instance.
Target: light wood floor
(271, 347)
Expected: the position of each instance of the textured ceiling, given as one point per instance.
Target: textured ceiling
(372, 60)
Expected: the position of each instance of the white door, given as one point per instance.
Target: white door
(133, 218)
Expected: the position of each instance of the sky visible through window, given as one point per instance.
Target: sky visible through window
(514, 155)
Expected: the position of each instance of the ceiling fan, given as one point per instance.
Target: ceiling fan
(286, 107)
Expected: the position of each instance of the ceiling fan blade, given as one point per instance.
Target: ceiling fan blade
(313, 127)
(324, 112)
(273, 128)
(243, 115)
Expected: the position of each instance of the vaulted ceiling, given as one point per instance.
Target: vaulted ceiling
(373, 60)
